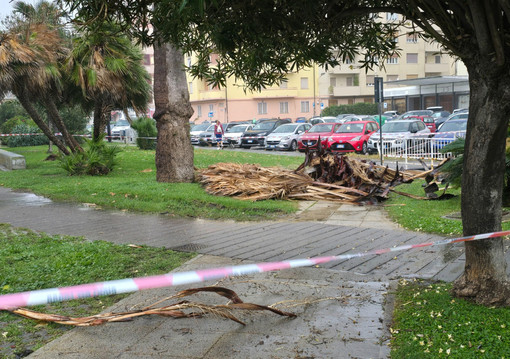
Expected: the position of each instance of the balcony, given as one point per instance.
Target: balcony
(342, 91)
(205, 95)
(443, 69)
(344, 69)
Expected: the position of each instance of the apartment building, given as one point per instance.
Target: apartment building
(419, 77)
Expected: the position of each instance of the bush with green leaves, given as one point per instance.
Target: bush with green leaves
(361, 108)
(23, 141)
(145, 127)
(98, 158)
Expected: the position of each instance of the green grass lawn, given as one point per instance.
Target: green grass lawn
(427, 216)
(132, 185)
(430, 323)
(38, 261)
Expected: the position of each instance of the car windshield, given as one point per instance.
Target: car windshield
(200, 127)
(416, 113)
(396, 127)
(459, 116)
(323, 127)
(122, 123)
(263, 126)
(350, 118)
(237, 128)
(285, 128)
(351, 128)
(452, 126)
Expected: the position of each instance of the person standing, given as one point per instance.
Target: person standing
(218, 132)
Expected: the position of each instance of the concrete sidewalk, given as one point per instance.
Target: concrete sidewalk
(337, 317)
(343, 310)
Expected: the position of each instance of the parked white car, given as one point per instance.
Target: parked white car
(285, 136)
(397, 133)
(120, 128)
(232, 137)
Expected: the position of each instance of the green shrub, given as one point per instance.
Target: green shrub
(145, 127)
(97, 159)
(9, 125)
(23, 141)
(361, 108)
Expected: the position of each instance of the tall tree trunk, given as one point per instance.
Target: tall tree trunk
(59, 123)
(100, 119)
(34, 115)
(485, 279)
(174, 153)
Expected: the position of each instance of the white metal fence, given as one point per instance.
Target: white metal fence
(425, 147)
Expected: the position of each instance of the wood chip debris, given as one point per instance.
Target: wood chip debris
(322, 176)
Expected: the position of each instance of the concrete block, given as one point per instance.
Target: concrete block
(12, 161)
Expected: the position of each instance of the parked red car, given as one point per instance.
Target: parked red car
(352, 137)
(428, 120)
(310, 138)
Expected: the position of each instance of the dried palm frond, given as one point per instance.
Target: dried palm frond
(176, 310)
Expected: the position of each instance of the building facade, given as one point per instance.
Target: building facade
(308, 91)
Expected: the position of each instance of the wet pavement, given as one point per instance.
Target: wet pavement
(343, 307)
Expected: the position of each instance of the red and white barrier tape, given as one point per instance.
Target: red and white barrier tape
(44, 296)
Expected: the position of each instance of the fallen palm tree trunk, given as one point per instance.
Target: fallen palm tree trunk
(176, 310)
(322, 176)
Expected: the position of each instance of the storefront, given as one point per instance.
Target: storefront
(450, 92)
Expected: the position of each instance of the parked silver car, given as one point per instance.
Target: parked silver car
(285, 136)
(197, 130)
(395, 134)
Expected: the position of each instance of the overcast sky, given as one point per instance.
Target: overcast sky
(6, 6)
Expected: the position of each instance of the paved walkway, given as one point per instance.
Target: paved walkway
(342, 307)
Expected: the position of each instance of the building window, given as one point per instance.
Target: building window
(392, 78)
(284, 107)
(395, 36)
(284, 84)
(304, 83)
(370, 80)
(262, 108)
(352, 81)
(437, 59)
(393, 60)
(305, 106)
(390, 16)
(412, 58)
(410, 77)
(190, 89)
(348, 61)
(211, 108)
(332, 81)
(412, 38)
(199, 110)
(188, 61)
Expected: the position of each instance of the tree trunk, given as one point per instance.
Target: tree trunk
(32, 112)
(174, 153)
(100, 119)
(485, 278)
(57, 120)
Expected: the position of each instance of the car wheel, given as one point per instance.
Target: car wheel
(293, 146)
(364, 149)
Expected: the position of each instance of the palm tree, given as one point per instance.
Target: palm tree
(23, 69)
(108, 68)
(36, 31)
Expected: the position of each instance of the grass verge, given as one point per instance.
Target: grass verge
(430, 323)
(427, 216)
(132, 185)
(38, 261)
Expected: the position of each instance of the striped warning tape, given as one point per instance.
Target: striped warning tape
(44, 296)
